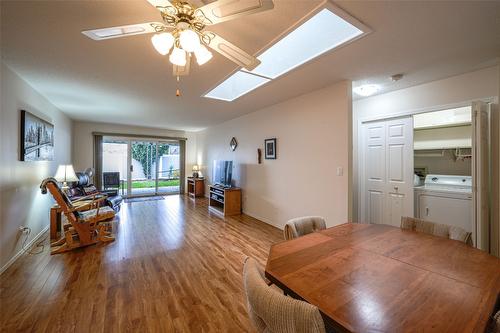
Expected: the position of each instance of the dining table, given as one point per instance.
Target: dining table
(380, 278)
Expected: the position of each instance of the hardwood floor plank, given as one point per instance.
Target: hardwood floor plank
(174, 267)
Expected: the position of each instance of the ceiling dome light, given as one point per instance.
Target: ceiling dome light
(202, 55)
(189, 40)
(366, 90)
(178, 57)
(163, 42)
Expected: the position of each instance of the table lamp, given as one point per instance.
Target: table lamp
(196, 169)
(65, 173)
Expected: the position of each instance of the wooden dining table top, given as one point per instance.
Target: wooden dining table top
(379, 278)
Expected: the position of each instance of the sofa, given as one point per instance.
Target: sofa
(83, 188)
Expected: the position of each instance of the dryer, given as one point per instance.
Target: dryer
(445, 199)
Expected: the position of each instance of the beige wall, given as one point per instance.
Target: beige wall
(453, 91)
(313, 134)
(21, 203)
(83, 146)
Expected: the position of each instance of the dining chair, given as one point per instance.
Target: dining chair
(272, 312)
(301, 226)
(496, 323)
(436, 229)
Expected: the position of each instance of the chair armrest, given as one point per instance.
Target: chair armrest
(90, 196)
(86, 206)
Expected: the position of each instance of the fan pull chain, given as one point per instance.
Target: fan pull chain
(178, 92)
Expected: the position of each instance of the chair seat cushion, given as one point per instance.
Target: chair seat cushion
(105, 213)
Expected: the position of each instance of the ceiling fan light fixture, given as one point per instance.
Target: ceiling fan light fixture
(163, 42)
(203, 55)
(189, 40)
(178, 57)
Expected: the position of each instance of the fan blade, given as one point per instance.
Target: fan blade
(124, 30)
(225, 10)
(232, 52)
(160, 3)
(182, 70)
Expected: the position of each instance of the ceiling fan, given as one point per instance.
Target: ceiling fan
(183, 31)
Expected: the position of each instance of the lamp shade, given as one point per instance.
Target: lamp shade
(196, 168)
(202, 55)
(189, 40)
(178, 57)
(66, 173)
(163, 42)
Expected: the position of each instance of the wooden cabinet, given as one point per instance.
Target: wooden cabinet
(226, 201)
(195, 187)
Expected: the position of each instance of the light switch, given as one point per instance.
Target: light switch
(340, 171)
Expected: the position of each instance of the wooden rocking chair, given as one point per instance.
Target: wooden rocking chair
(88, 224)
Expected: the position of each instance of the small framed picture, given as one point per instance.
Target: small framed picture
(270, 148)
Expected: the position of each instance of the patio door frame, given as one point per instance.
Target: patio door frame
(130, 141)
(156, 140)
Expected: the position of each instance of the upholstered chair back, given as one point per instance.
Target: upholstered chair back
(272, 312)
(301, 226)
(436, 229)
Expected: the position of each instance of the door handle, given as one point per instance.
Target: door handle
(131, 168)
(426, 211)
(396, 188)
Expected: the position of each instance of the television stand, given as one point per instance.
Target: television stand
(225, 200)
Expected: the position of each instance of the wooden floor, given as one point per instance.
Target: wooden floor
(174, 267)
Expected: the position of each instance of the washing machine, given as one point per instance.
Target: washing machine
(445, 199)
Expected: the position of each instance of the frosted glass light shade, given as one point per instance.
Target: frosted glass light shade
(178, 57)
(202, 55)
(366, 90)
(66, 173)
(189, 40)
(163, 42)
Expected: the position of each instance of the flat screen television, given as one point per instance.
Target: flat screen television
(222, 173)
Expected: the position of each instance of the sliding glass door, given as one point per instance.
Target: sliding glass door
(115, 162)
(145, 167)
(142, 166)
(168, 167)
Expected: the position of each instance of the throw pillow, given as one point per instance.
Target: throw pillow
(89, 190)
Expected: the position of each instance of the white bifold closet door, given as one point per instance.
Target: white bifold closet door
(387, 186)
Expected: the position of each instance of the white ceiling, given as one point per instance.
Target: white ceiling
(125, 81)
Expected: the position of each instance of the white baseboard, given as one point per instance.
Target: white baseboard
(21, 252)
(255, 216)
(262, 219)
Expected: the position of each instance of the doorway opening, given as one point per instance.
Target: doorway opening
(442, 143)
(144, 167)
(447, 149)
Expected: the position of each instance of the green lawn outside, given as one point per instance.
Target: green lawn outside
(151, 183)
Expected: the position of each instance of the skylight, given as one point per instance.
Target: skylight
(236, 85)
(321, 33)
(329, 28)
